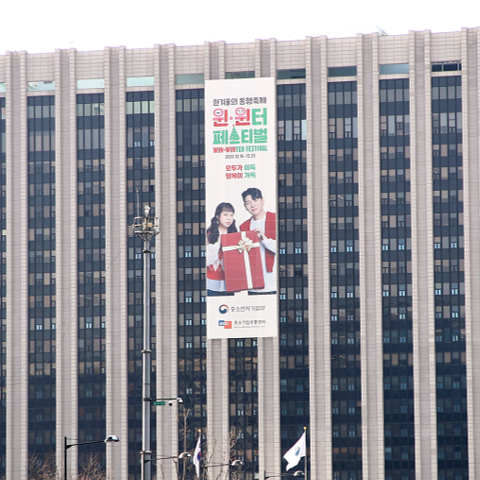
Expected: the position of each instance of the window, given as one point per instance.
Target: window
(190, 79)
(41, 86)
(389, 69)
(91, 83)
(342, 71)
(140, 81)
(234, 75)
(291, 74)
(446, 66)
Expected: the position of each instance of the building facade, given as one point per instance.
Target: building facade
(378, 350)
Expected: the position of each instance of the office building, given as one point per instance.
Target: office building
(378, 351)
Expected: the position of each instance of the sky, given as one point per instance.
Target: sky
(41, 27)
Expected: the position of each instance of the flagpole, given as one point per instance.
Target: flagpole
(306, 455)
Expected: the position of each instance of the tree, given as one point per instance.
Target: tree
(46, 469)
(92, 470)
(227, 455)
(42, 468)
(184, 433)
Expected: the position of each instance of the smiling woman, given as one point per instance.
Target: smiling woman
(223, 222)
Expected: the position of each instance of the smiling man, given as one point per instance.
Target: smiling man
(264, 224)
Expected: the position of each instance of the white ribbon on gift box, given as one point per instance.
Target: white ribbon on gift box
(244, 246)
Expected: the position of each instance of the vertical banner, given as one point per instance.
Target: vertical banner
(241, 204)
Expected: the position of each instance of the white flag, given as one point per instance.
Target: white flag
(298, 451)
(197, 456)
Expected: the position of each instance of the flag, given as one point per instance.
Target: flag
(197, 456)
(298, 451)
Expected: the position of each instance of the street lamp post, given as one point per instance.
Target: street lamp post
(235, 464)
(183, 456)
(298, 473)
(146, 228)
(109, 439)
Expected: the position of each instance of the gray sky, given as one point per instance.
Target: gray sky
(40, 27)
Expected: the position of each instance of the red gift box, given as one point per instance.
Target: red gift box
(242, 261)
